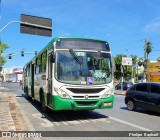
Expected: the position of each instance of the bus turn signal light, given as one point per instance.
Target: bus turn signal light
(107, 103)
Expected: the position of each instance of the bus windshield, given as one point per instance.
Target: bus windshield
(94, 68)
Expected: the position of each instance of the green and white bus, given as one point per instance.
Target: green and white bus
(71, 73)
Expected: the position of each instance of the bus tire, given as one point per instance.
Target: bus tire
(42, 100)
(27, 95)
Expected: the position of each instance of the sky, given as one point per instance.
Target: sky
(125, 24)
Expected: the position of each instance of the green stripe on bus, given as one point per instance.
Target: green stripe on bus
(69, 104)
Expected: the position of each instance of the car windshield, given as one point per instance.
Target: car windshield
(78, 67)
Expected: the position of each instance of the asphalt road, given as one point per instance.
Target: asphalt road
(116, 119)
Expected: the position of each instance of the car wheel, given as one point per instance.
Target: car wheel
(131, 105)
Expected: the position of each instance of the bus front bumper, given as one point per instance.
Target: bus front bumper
(70, 104)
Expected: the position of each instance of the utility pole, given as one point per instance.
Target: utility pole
(122, 78)
(0, 46)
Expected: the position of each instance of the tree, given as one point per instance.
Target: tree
(118, 63)
(134, 59)
(134, 63)
(147, 49)
(158, 59)
(3, 46)
(141, 61)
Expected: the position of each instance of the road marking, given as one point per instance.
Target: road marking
(73, 122)
(59, 121)
(46, 122)
(64, 122)
(93, 120)
(86, 121)
(81, 121)
(56, 123)
(131, 124)
(103, 120)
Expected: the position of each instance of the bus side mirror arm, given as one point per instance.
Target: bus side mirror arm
(52, 58)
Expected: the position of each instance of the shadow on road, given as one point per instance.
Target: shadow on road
(124, 108)
(140, 110)
(68, 115)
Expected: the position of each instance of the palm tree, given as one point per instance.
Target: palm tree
(147, 49)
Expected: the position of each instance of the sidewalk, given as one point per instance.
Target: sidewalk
(11, 118)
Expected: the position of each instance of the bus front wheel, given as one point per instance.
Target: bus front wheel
(27, 94)
(44, 107)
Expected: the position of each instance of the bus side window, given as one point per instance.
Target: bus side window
(44, 61)
(38, 65)
(28, 70)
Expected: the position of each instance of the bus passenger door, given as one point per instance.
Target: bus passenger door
(49, 79)
(32, 80)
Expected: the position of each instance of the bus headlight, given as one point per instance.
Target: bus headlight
(108, 93)
(61, 93)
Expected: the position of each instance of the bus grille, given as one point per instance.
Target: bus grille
(84, 91)
(82, 103)
(83, 97)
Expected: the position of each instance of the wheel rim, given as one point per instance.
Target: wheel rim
(130, 105)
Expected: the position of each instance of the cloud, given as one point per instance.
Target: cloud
(153, 26)
(9, 3)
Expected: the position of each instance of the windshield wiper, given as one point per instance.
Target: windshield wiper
(79, 59)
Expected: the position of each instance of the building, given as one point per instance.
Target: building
(153, 72)
(12, 74)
